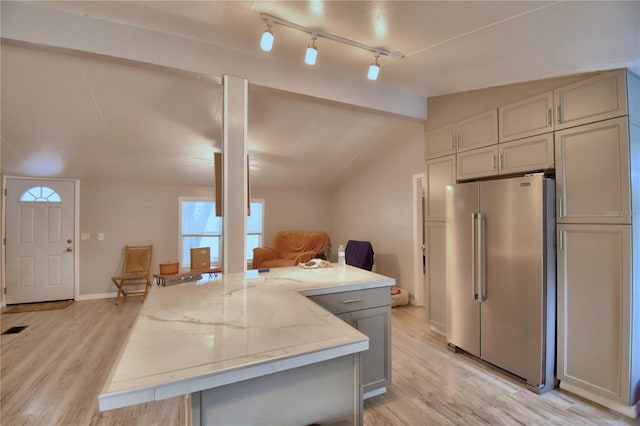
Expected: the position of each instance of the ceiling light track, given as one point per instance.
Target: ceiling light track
(312, 51)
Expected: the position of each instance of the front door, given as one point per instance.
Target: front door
(40, 240)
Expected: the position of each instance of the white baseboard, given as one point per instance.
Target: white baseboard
(374, 392)
(413, 301)
(629, 411)
(97, 296)
(439, 329)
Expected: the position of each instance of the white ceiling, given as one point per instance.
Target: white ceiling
(84, 115)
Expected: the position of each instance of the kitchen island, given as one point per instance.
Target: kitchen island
(248, 349)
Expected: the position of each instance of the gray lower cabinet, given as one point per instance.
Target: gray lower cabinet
(369, 311)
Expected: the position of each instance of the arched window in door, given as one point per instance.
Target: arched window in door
(40, 194)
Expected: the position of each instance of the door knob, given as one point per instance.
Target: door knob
(69, 249)
(69, 241)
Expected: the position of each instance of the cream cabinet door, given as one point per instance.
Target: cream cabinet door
(477, 163)
(592, 173)
(477, 131)
(436, 267)
(438, 174)
(439, 142)
(594, 298)
(527, 155)
(528, 117)
(594, 99)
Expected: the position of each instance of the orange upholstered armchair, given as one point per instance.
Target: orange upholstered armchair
(290, 248)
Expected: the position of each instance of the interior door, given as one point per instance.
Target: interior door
(40, 240)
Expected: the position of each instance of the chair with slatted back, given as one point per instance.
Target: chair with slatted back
(136, 269)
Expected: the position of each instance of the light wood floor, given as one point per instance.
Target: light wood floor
(52, 373)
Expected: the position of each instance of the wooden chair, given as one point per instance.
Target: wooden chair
(136, 269)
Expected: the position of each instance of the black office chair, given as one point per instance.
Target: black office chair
(359, 254)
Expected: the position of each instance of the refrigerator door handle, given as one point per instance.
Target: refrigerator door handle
(474, 292)
(480, 258)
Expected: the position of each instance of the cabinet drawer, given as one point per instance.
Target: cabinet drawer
(349, 301)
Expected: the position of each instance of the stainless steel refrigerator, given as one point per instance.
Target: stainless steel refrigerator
(501, 287)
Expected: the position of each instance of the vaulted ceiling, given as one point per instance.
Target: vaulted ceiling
(128, 90)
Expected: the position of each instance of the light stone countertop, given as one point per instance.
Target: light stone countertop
(195, 336)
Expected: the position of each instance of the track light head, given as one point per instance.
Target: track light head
(374, 69)
(266, 43)
(312, 51)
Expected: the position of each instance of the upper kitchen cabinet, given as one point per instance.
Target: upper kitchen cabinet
(478, 131)
(592, 173)
(477, 163)
(439, 173)
(440, 142)
(530, 154)
(598, 98)
(528, 117)
(471, 133)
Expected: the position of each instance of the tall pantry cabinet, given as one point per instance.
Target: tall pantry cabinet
(439, 172)
(597, 153)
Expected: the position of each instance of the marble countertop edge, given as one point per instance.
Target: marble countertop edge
(389, 282)
(199, 381)
(276, 295)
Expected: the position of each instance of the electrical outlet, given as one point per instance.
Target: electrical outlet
(85, 236)
(100, 236)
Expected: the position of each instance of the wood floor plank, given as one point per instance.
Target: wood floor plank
(433, 386)
(52, 373)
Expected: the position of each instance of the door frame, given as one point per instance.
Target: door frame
(417, 189)
(76, 233)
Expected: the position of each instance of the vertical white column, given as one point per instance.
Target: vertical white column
(235, 174)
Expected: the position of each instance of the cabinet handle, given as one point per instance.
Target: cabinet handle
(502, 160)
(453, 142)
(558, 112)
(561, 240)
(474, 292)
(352, 300)
(482, 294)
(493, 161)
(549, 117)
(560, 207)
(458, 140)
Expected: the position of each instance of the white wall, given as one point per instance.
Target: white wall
(375, 204)
(127, 213)
(138, 213)
(293, 210)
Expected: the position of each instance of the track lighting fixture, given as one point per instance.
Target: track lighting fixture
(266, 43)
(312, 52)
(374, 68)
